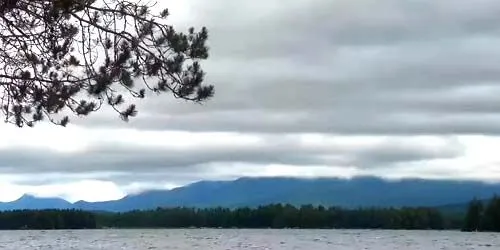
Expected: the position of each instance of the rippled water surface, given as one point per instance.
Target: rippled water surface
(247, 239)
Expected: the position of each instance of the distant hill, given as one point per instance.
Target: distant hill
(31, 202)
(349, 193)
(459, 208)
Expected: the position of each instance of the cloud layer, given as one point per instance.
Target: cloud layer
(310, 88)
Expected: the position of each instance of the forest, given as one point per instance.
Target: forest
(483, 216)
(270, 216)
(47, 219)
(281, 216)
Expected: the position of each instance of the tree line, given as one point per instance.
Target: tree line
(483, 215)
(281, 216)
(47, 219)
(271, 216)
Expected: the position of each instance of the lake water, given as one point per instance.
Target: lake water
(247, 239)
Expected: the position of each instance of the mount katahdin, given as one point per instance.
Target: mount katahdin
(356, 192)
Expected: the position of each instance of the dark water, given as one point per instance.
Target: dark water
(247, 239)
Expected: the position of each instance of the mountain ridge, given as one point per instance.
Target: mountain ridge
(252, 192)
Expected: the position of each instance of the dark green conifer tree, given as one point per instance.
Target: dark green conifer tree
(472, 221)
(491, 218)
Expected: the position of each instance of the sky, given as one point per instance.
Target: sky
(310, 88)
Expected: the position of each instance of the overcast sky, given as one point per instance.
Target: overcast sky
(304, 88)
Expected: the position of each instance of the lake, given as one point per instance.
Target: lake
(246, 239)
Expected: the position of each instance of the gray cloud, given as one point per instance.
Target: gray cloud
(370, 67)
(110, 161)
(331, 66)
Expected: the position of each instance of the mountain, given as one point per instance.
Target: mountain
(32, 202)
(356, 192)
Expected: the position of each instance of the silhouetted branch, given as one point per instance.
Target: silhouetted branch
(58, 55)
